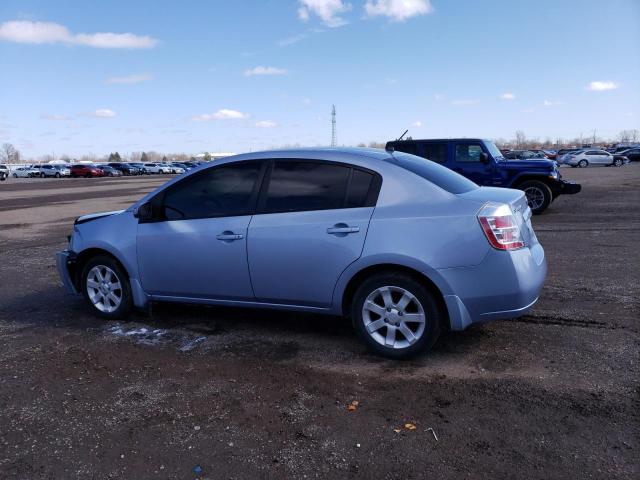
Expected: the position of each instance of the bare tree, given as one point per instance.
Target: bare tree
(521, 138)
(8, 153)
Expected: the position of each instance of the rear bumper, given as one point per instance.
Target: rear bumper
(504, 285)
(65, 261)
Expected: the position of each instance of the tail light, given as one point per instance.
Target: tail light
(499, 225)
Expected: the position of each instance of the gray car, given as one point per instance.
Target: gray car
(586, 157)
(403, 246)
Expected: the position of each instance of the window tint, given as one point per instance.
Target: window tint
(299, 186)
(468, 152)
(406, 147)
(216, 192)
(436, 152)
(358, 189)
(441, 176)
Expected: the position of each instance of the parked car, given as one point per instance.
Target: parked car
(25, 172)
(525, 155)
(356, 232)
(157, 168)
(174, 168)
(49, 170)
(4, 173)
(481, 161)
(586, 157)
(125, 168)
(109, 171)
(86, 170)
(183, 166)
(619, 160)
(633, 154)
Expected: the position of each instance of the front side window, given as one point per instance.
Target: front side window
(301, 186)
(468, 152)
(227, 190)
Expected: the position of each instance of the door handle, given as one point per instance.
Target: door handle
(228, 236)
(342, 229)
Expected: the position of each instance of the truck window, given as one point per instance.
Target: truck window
(468, 152)
(436, 152)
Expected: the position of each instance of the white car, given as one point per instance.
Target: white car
(157, 168)
(586, 157)
(51, 171)
(25, 172)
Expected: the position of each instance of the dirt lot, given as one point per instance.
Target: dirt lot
(248, 394)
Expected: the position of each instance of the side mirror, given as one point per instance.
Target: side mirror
(484, 158)
(144, 213)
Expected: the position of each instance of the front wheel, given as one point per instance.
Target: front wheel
(617, 162)
(57, 175)
(42, 175)
(15, 175)
(538, 194)
(106, 288)
(395, 315)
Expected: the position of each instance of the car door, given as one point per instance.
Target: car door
(468, 161)
(196, 244)
(310, 225)
(605, 157)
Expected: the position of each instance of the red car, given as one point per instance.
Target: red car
(86, 171)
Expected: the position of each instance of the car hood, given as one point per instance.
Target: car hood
(96, 216)
(540, 164)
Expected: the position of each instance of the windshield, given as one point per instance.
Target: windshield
(493, 150)
(441, 176)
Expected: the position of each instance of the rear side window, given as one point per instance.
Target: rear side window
(441, 176)
(299, 186)
(223, 191)
(436, 152)
(305, 185)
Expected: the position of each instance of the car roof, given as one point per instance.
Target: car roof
(365, 155)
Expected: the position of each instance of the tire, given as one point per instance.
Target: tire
(97, 297)
(421, 302)
(15, 175)
(617, 162)
(539, 195)
(583, 163)
(57, 175)
(42, 175)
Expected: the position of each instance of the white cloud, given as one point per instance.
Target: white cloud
(222, 114)
(550, 103)
(264, 71)
(328, 10)
(24, 31)
(508, 96)
(417, 123)
(266, 124)
(602, 85)
(397, 10)
(103, 113)
(54, 116)
(291, 40)
(462, 103)
(136, 78)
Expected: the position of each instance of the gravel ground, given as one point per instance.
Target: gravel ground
(198, 392)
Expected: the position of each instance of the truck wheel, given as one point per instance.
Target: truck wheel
(538, 194)
(395, 315)
(583, 163)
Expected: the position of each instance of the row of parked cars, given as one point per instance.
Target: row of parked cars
(89, 170)
(579, 157)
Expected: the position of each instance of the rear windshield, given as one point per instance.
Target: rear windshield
(446, 179)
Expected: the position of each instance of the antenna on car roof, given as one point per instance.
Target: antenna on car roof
(400, 137)
(389, 148)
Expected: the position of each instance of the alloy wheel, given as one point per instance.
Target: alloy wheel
(104, 288)
(393, 317)
(535, 197)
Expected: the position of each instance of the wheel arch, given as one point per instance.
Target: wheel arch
(85, 255)
(359, 276)
(525, 177)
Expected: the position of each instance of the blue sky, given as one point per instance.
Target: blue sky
(244, 75)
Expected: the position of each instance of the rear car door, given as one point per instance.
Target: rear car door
(310, 225)
(196, 245)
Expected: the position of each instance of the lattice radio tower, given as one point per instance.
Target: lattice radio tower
(333, 126)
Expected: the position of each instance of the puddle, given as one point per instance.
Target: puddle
(144, 335)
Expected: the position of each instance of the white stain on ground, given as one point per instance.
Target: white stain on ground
(183, 341)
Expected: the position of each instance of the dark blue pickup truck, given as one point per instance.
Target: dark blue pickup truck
(481, 161)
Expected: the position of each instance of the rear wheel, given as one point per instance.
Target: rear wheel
(538, 194)
(106, 288)
(583, 163)
(395, 315)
